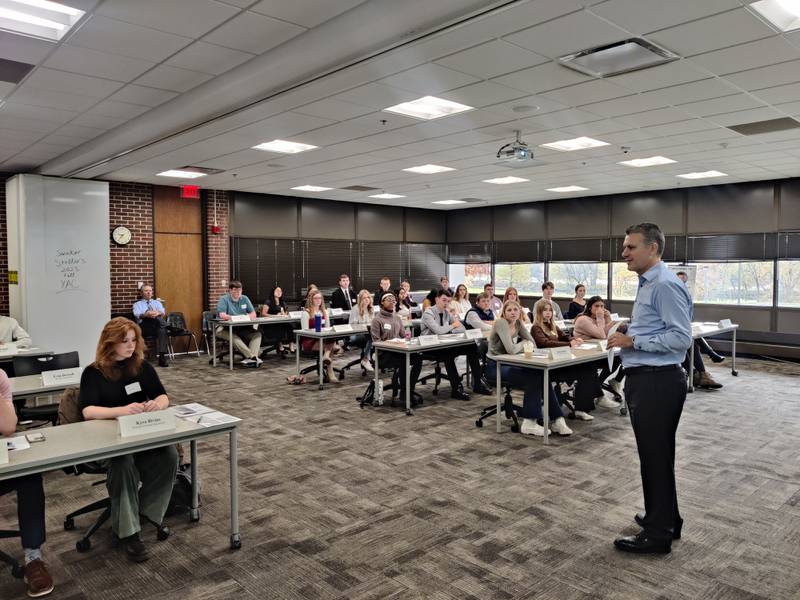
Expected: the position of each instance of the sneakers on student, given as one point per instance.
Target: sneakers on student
(531, 427)
(247, 362)
(606, 402)
(583, 416)
(560, 427)
(134, 548)
(366, 365)
(258, 361)
(38, 580)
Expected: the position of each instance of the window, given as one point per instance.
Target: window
(474, 276)
(623, 282)
(732, 283)
(565, 276)
(526, 277)
(789, 283)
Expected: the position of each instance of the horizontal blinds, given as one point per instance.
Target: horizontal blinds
(323, 262)
(789, 245)
(674, 249)
(744, 246)
(378, 260)
(469, 253)
(426, 264)
(519, 252)
(584, 250)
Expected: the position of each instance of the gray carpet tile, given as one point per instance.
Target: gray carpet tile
(344, 503)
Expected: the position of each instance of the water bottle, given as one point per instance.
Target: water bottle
(318, 322)
(407, 334)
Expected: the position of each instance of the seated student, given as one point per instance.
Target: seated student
(311, 288)
(578, 302)
(150, 315)
(512, 294)
(429, 300)
(402, 308)
(361, 314)
(700, 378)
(119, 382)
(480, 316)
(495, 304)
(385, 286)
(409, 301)
(461, 299)
(275, 305)
(343, 297)
(437, 320)
(444, 284)
(245, 339)
(30, 504)
(387, 325)
(547, 294)
(508, 336)
(546, 334)
(316, 304)
(10, 331)
(595, 323)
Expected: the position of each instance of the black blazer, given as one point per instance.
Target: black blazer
(338, 299)
(274, 309)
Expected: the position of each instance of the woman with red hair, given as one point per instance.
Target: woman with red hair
(120, 382)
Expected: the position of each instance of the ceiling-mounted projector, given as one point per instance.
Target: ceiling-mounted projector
(516, 150)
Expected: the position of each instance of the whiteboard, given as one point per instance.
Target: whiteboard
(59, 231)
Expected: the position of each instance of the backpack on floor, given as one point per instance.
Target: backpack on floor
(181, 500)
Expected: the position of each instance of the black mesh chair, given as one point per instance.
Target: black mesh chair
(16, 569)
(176, 328)
(510, 411)
(35, 365)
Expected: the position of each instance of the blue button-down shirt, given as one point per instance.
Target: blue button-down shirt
(229, 306)
(142, 306)
(660, 322)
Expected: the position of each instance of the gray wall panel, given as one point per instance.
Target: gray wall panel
(379, 223)
(426, 226)
(578, 218)
(749, 319)
(739, 208)
(520, 222)
(260, 215)
(789, 321)
(790, 205)
(327, 220)
(470, 225)
(663, 208)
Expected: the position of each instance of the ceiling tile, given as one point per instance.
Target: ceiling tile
(51, 79)
(208, 58)
(23, 49)
(548, 76)
(98, 121)
(644, 16)
(746, 116)
(24, 111)
(695, 91)
(172, 78)
(586, 93)
(756, 79)
(52, 99)
(377, 95)
(483, 94)
(428, 79)
(113, 108)
(254, 33)
(98, 64)
(190, 18)
(492, 59)
(747, 56)
(779, 94)
(306, 13)
(142, 95)
(673, 73)
(653, 117)
(717, 106)
(124, 39)
(6, 88)
(623, 106)
(336, 110)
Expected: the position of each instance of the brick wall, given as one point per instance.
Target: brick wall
(3, 248)
(131, 205)
(217, 246)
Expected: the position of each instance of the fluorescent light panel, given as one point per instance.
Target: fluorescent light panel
(449, 202)
(38, 18)
(284, 147)
(647, 162)
(181, 174)
(783, 14)
(386, 196)
(428, 108)
(703, 175)
(505, 180)
(429, 169)
(568, 188)
(579, 143)
(311, 188)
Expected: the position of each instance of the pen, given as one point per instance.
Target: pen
(199, 419)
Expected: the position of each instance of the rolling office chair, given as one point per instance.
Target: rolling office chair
(35, 365)
(510, 410)
(17, 569)
(176, 328)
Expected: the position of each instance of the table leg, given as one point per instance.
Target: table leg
(213, 345)
(408, 384)
(734, 372)
(236, 541)
(691, 368)
(297, 356)
(230, 347)
(546, 404)
(194, 510)
(321, 345)
(499, 385)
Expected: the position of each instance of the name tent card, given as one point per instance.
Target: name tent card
(296, 314)
(145, 423)
(559, 324)
(560, 353)
(614, 317)
(335, 312)
(725, 323)
(3, 451)
(240, 318)
(474, 334)
(62, 376)
(428, 340)
(343, 328)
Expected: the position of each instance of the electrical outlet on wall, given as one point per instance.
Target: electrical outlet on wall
(139, 284)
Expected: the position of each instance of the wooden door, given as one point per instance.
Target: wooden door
(179, 257)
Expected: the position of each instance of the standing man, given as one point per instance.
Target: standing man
(548, 289)
(653, 348)
(343, 297)
(246, 340)
(150, 314)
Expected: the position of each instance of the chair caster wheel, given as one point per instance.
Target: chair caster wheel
(163, 533)
(18, 571)
(69, 524)
(409, 413)
(735, 373)
(435, 392)
(236, 542)
(340, 377)
(194, 515)
(83, 545)
(623, 411)
(515, 428)
(478, 423)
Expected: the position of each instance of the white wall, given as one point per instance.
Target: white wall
(58, 232)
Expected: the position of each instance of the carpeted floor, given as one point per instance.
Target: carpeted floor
(343, 503)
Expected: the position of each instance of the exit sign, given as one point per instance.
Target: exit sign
(190, 192)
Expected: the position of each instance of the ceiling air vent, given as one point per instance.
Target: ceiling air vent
(359, 188)
(203, 170)
(770, 126)
(620, 57)
(12, 71)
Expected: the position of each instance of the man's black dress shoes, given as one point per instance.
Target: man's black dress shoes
(676, 530)
(459, 395)
(642, 544)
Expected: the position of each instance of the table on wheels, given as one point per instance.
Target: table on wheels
(703, 330)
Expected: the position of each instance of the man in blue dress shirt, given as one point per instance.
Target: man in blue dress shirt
(653, 348)
(150, 314)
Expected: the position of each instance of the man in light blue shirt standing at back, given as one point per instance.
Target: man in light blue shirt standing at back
(653, 348)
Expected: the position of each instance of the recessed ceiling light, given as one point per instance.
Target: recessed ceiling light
(311, 188)
(181, 174)
(386, 196)
(284, 147)
(647, 162)
(580, 143)
(429, 107)
(783, 14)
(429, 169)
(505, 180)
(568, 188)
(38, 18)
(449, 202)
(703, 175)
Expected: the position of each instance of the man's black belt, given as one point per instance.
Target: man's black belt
(649, 369)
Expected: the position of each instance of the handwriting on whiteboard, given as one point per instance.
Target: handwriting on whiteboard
(68, 262)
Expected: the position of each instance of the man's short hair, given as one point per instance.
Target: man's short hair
(548, 285)
(487, 285)
(234, 284)
(343, 275)
(385, 278)
(443, 292)
(443, 277)
(651, 233)
(684, 273)
(483, 296)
